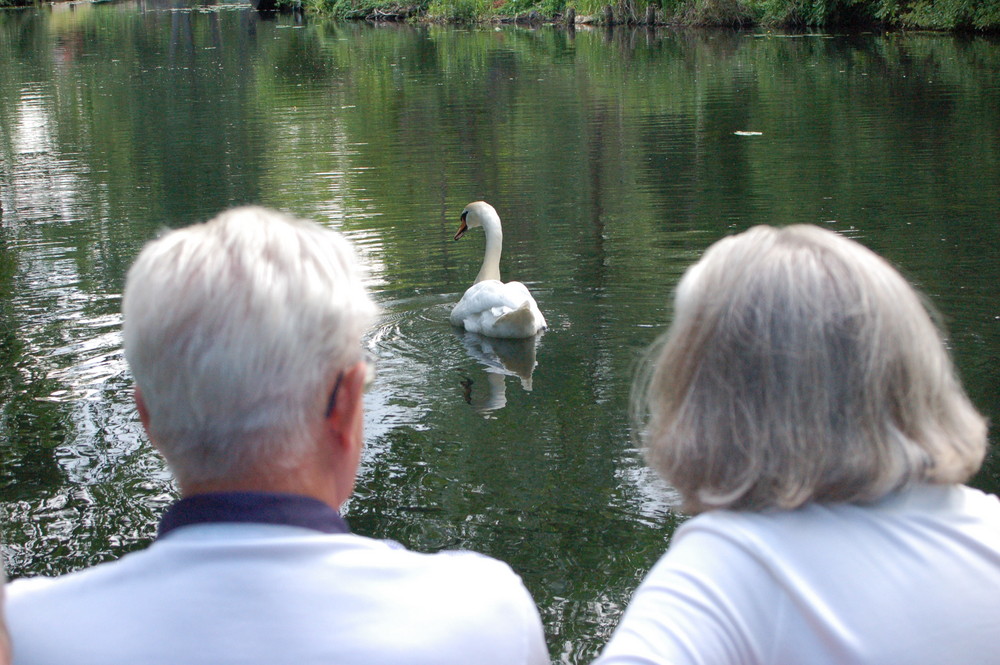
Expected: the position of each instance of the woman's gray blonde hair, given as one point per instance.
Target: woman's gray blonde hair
(800, 366)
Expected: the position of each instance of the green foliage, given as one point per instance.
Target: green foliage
(625, 11)
(344, 9)
(816, 13)
(521, 7)
(735, 13)
(361, 9)
(552, 7)
(672, 7)
(947, 14)
(923, 14)
(460, 10)
(588, 7)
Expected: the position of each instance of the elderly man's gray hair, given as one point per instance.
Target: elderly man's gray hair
(800, 366)
(233, 330)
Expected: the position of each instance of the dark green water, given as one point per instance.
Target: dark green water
(614, 159)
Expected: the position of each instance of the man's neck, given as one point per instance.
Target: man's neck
(297, 480)
(275, 508)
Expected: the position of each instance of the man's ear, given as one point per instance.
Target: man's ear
(346, 413)
(140, 405)
(343, 432)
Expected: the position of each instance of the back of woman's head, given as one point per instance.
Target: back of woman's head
(800, 366)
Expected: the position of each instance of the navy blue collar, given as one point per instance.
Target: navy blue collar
(254, 507)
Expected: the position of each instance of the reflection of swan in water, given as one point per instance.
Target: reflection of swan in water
(501, 358)
(495, 398)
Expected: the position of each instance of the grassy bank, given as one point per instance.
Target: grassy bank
(948, 15)
(972, 15)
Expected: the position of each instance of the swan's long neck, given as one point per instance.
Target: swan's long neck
(494, 245)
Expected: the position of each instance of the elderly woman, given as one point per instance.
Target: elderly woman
(805, 408)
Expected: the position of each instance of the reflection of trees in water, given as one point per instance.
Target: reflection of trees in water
(68, 444)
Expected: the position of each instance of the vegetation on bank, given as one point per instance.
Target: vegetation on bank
(951, 15)
(970, 15)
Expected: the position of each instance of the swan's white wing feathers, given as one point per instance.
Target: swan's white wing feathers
(496, 309)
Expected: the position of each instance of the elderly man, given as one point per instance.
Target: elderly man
(243, 335)
(4, 638)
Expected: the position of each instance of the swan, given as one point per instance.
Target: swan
(490, 307)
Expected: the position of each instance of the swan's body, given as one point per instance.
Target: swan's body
(490, 307)
(495, 309)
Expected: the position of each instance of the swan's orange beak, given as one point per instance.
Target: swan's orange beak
(462, 229)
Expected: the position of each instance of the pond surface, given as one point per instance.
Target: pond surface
(614, 159)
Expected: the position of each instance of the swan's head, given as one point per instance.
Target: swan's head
(478, 213)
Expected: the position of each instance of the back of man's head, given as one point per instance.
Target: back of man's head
(233, 329)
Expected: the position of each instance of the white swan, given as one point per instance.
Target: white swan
(490, 307)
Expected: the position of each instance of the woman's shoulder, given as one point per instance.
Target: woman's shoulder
(915, 516)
